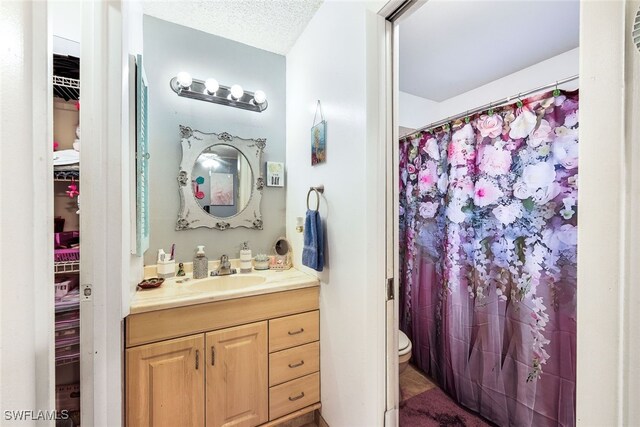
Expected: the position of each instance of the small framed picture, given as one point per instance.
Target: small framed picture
(319, 143)
(275, 174)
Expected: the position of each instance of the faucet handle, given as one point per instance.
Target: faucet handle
(224, 262)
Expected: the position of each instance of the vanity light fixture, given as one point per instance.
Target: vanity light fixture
(236, 92)
(211, 86)
(184, 80)
(210, 90)
(259, 97)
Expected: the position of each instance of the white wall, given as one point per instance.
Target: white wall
(66, 19)
(334, 60)
(26, 225)
(416, 112)
(631, 348)
(229, 62)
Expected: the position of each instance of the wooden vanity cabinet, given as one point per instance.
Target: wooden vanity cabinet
(244, 362)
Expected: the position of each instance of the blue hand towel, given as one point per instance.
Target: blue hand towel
(313, 252)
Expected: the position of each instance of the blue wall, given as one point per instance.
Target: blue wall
(168, 49)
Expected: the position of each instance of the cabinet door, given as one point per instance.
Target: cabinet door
(165, 383)
(237, 371)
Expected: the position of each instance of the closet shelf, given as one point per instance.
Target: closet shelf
(67, 306)
(66, 175)
(68, 303)
(67, 360)
(66, 88)
(68, 342)
(66, 267)
(60, 330)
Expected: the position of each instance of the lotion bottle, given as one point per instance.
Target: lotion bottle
(245, 258)
(200, 264)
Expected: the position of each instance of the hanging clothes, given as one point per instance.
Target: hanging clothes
(488, 226)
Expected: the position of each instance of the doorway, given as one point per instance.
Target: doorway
(590, 15)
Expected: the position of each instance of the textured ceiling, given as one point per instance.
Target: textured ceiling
(272, 25)
(448, 47)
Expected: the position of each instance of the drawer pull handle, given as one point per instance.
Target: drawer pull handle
(197, 358)
(301, 330)
(213, 356)
(295, 365)
(300, 396)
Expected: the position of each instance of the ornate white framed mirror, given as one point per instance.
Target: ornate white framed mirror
(220, 181)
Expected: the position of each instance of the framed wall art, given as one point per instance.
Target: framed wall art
(318, 138)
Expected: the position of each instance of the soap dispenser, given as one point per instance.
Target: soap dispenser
(200, 264)
(245, 258)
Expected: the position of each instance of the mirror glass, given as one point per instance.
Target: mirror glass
(222, 181)
(282, 247)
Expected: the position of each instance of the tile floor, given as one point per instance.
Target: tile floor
(413, 382)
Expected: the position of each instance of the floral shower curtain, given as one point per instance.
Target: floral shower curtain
(488, 217)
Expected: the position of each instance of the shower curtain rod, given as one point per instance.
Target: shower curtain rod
(494, 104)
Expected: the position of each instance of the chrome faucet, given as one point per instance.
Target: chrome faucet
(224, 268)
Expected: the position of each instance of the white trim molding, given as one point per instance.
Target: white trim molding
(26, 206)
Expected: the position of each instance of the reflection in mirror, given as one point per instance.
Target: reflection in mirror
(282, 247)
(222, 180)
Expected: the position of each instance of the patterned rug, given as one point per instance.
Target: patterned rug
(434, 408)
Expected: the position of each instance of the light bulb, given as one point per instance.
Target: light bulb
(237, 91)
(210, 164)
(259, 97)
(211, 86)
(184, 79)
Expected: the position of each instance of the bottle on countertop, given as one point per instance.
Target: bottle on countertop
(200, 264)
(245, 258)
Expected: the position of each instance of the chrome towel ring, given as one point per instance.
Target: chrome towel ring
(318, 190)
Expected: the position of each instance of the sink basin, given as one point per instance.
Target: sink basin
(227, 283)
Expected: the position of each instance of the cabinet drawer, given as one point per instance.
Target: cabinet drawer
(295, 362)
(293, 395)
(291, 331)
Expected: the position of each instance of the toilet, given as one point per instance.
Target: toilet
(404, 351)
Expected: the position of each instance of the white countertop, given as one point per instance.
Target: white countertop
(173, 294)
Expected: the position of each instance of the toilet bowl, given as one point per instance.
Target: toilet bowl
(404, 351)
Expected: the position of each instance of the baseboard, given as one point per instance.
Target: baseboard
(299, 418)
(320, 422)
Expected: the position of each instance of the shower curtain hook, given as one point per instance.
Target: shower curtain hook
(519, 103)
(490, 109)
(556, 91)
(467, 119)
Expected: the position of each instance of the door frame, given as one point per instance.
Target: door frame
(605, 357)
(393, 13)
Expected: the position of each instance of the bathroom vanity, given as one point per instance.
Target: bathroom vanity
(238, 350)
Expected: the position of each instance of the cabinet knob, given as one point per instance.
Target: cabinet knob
(301, 330)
